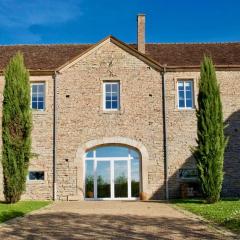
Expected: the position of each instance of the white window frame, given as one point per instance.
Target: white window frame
(44, 96)
(104, 95)
(184, 90)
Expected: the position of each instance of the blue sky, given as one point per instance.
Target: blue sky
(88, 21)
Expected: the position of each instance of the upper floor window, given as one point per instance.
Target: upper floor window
(111, 96)
(38, 96)
(185, 94)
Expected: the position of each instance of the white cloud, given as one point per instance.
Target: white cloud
(29, 12)
(18, 16)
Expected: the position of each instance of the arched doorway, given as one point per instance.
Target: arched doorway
(112, 172)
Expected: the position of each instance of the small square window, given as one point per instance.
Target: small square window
(111, 99)
(36, 175)
(38, 96)
(185, 94)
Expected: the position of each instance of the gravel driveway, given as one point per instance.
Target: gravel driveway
(108, 220)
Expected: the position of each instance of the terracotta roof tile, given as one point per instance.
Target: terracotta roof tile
(42, 57)
(191, 54)
(50, 57)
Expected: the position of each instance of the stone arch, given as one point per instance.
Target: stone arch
(78, 161)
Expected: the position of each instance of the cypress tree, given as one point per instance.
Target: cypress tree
(16, 128)
(211, 141)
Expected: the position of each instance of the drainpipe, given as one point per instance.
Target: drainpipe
(165, 132)
(55, 136)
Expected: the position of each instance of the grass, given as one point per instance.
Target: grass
(8, 211)
(225, 213)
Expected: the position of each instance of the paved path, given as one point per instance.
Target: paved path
(107, 220)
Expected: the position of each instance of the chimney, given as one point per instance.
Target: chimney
(141, 32)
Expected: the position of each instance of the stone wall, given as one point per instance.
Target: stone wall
(182, 130)
(81, 117)
(42, 139)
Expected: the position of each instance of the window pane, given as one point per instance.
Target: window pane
(34, 88)
(89, 179)
(135, 179)
(34, 105)
(89, 154)
(108, 96)
(188, 86)
(108, 87)
(180, 85)
(112, 151)
(181, 95)
(114, 87)
(121, 179)
(40, 98)
(34, 98)
(181, 104)
(36, 175)
(189, 103)
(103, 179)
(40, 105)
(41, 88)
(188, 94)
(114, 105)
(108, 104)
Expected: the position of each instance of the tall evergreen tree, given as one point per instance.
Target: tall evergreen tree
(16, 128)
(211, 141)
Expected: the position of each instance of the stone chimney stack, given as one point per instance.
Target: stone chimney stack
(141, 32)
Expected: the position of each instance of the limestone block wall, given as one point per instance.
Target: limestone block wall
(81, 117)
(42, 139)
(182, 130)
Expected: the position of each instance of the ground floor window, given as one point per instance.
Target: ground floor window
(112, 172)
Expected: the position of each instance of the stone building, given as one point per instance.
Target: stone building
(111, 120)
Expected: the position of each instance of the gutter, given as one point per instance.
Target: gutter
(55, 136)
(165, 145)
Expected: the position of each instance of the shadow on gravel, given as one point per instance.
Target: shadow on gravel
(92, 226)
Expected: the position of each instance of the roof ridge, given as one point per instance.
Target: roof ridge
(47, 44)
(193, 43)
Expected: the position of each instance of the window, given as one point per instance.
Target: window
(185, 94)
(188, 173)
(111, 96)
(38, 96)
(36, 175)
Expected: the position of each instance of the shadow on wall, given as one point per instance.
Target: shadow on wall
(231, 183)
(65, 225)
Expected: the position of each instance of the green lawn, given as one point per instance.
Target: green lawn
(225, 213)
(8, 211)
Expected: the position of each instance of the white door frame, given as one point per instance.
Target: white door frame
(111, 160)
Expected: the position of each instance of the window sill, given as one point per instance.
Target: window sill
(39, 112)
(186, 109)
(111, 111)
(35, 181)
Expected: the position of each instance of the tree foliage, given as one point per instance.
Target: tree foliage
(211, 141)
(16, 128)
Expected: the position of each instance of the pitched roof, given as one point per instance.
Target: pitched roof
(51, 57)
(191, 54)
(42, 57)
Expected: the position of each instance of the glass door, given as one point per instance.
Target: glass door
(103, 179)
(112, 172)
(120, 179)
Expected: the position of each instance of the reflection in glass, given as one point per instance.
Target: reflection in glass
(120, 179)
(103, 179)
(112, 151)
(89, 179)
(135, 178)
